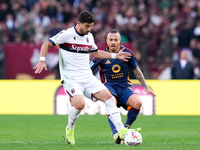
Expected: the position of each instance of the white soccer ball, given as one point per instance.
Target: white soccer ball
(133, 138)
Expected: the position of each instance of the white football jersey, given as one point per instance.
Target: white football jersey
(74, 51)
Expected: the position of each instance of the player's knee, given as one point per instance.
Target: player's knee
(79, 106)
(138, 104)
(135, 102)
(78, 102)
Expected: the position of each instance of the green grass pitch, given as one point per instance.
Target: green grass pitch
(92, 132)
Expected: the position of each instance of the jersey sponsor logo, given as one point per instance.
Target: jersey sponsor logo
(76, 47)
(108, 62)
(118, 75)
(80, 48)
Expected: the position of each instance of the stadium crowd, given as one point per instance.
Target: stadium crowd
(158, 29)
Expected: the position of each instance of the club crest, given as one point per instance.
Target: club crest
(73, 91)
(87, 39)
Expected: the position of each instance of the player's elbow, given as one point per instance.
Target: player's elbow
(49, 44)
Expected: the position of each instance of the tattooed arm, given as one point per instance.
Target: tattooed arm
(139, 75)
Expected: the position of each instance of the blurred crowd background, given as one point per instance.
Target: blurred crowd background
(159, 29)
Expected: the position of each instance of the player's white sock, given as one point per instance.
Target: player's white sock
(72, 117)
(113, 113)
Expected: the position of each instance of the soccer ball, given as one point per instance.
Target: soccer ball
(133, 138)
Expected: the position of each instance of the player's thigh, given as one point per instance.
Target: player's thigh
(134, 101)
(75, 92)
(125, 95)
(130, 98)
(103, 95)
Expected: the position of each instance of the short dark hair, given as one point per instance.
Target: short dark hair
(86, 16)
(112, 31)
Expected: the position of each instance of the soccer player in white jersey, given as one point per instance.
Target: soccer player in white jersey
(75, 44)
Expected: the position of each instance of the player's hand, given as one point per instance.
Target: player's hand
(123, 56)
(40, 66)
(149, 91)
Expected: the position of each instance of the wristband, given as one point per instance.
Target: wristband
(42, 58)
(113, 55)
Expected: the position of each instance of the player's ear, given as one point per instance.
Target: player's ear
(120, 37)
(79, 23)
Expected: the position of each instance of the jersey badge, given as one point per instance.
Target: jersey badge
(74, 38)
(116, 68)
(87, 39)
(73, 91)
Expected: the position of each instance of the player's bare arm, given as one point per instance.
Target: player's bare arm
(41, 64)
(139, 75)
(124, 56)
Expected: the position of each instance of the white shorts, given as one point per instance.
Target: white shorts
(87, 87)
